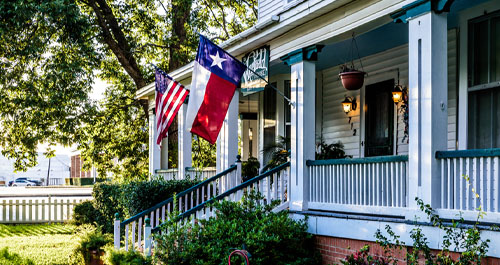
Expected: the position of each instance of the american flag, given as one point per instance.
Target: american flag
(170, 96)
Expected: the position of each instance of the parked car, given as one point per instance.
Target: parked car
(24, 182)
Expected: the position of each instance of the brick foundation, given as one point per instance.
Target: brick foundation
(334, 249)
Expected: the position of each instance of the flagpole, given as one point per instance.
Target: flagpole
(251, 70)
(277, 90)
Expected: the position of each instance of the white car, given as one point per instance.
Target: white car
(23, 183)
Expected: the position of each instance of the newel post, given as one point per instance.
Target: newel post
(238, 170)
(116, 232)
(147, 237)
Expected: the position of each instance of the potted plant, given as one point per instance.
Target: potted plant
(352, 79)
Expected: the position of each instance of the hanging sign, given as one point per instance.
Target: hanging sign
(258, 61)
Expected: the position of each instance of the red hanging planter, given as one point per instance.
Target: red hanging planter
(353, 79)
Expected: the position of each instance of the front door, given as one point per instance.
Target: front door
(379, 119)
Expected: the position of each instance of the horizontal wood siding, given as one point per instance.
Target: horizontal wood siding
(267, 8)
(335, 125)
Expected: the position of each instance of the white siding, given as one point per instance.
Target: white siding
(380, 67)
(267, 8)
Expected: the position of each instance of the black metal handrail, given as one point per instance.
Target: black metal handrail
(171, 199)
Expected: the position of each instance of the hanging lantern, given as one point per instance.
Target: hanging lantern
(349, 104)
(397, 94)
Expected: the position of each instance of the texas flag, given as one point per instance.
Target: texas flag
(216, 74)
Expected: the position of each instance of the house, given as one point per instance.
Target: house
(440, 145)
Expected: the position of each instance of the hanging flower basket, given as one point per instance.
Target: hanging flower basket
(353, 79)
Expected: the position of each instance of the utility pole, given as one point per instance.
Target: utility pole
(48, 173)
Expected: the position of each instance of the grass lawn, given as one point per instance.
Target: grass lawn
(41, 244)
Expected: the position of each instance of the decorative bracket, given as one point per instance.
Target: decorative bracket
(419, 7)
(309, 53)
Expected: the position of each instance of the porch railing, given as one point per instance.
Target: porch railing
(186, 200)
(366, 185)
(191, 172)
(469, 180)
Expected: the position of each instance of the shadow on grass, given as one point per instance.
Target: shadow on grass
(35, 230)
(7, 257)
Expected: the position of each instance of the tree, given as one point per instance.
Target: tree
(51, 51)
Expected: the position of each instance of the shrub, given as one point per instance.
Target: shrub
(107, 199)
(129, 199)
(362, 257)
(85, 213)
(141, 195)
(271, 238)
(122, 257)
(13, 258)
(90, 239)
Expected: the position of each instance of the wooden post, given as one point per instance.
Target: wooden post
(184, 143)
(238, 177)
(116, 232)
(147, 237)
(303, 96)
(428, 82)
(227, 142)
(154, 149)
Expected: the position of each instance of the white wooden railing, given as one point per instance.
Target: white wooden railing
(373, 185)
(469, 180)
(186, 200)
(38, 208)
(190, 172)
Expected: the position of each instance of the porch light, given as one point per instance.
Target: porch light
(397, 94)
(349, 104)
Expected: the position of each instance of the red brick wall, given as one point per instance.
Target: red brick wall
(76, 168)
(334, 249)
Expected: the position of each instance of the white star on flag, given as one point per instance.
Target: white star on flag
(217, 60)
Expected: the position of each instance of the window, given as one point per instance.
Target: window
(269, 119)
(483, 77)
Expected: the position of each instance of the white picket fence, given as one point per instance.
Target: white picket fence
(49, 209)
(367, 185)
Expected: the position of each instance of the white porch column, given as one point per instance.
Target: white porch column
(184, 142)
(428, 82)
(154, 149)
(227, 142)
(303, 91)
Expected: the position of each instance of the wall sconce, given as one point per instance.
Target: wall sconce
(397, 94)
(349, 104)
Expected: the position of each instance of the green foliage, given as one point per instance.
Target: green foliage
(271, 238)
(456, 238)
(204, 153)
(12, 258)
(330, 151)
(250, 168)
(141, 195)
(85, 213)
(122, 257)
(107, 200)
(47, 62)
(277, 153)
(362, 257)
(52, 51)
(129, 199)
(90, 239)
